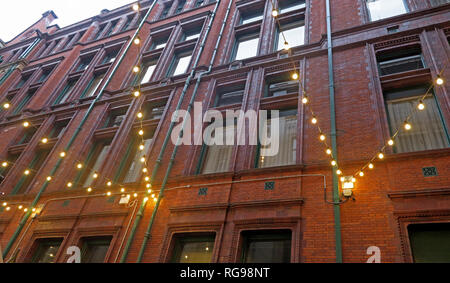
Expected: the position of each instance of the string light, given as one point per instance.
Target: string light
(137, 40)
(136, 7)
(95, 175)
(391, 142)
(8, 208)
(44, 140)
(314, 120)
(322, 137)
(136, 93)
(143, 159)
(371, 166)
(62, 154)
(149, 191)
(89, 190)
(5, 164)
(145, 170)
(305, 100)
(6, 105)
(329, 151)
(69, 185)
(141, 132)
(141, 147)
(109, 184)
(26, 124)
(361, 174)
(148, 186)
(407, 126)
(147, 178)
(339, 172)
(135, 195)
(286, 46)
(140, 115)
(49, 178)
(333, 162)
(27, 172)
(295, 76)
(79, 166)
(380, 155)
(274, 13)
(4, 204)
(109, 194)
(136, 69)
(20, 207)
(439, 80)
(25, 210)
(122, 190)
(145, 199)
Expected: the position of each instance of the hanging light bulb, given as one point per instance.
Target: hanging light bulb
(79, 165)
(4, 204)
(44, 140)
(148, 186)
(274, 13)
(314, 120)
(136, 69)
(145, 170)
(20, 207)
(295, 76)
(391, 142)
(8, 208)
(122, 190)
(141, 132)
(305, 100)
(147, 178)
(333, 163)
(439, 80)
(89, 190)
(371, 166)
(407, 126)
(322, 137)
(361, 174)
(109, 194)
(6, 105)
(26, 124)
(136, 93)
(329, 151)
(145, 199)
(109, 184)
(135, 195)
(140, 115)
(421, 106)
(286, 46)
(5, 164)
(136, 7)
(143, 159)
(149, 191)
(381, 155)
(95, 176)
(27, 172)
(62, 154)
(25, 210)
(69, 185)
(141, 147)
(137, 40)
(339, 172)
(49, 178)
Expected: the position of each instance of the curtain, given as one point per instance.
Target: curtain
(288, 144)
(427, 130)
(218, 156)
(136, 166)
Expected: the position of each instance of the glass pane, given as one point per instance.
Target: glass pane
(192, 36)
(294, 36)
(251, 18)
(427, 130)
(136, 165)
(218, 157)
(287, 144)
(46, 251)
(95, 250)
(267, 247)
(148, 74)
(97, 80)
(195, 249)
(182, 65)
(291, 6)
(247, 49)
(97, 164)
(381, 9)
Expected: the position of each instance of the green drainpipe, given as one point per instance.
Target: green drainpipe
(78, 130)
(172, 159)
(337, 211)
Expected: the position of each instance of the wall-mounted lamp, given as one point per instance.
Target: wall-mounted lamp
(348, 185)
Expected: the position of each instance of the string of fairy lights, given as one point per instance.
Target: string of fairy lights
(136, 92)
(305, 99)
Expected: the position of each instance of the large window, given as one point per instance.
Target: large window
(24, 101)
(116, 117)
(227, 95)
(266, 246)
(180, 64)
(35, 165)
(46, 250)
(66, 92)
(84, 64)
(294, 34)
(133, 164)
(95, 249)
(95, 161)
(193, 248)
(218, 156)
(381, 9)
(400, 61)
(427, 126)
(287, 150)
(93, 85)
(246, 47)
(281, 85)
(430, 243)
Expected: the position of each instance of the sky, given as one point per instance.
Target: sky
(68, 12)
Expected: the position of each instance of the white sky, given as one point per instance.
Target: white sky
(13, 21)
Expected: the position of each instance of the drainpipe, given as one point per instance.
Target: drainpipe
(175, 150)
(337, 212)
(78, 130)
(21, 57)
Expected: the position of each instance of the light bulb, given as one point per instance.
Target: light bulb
(305, 100)
(27, 172)
(6, 105)
(274, 13)
(79, 165)
(135, 7)
(408, 126)
(95, 176)
(136, 93)
(148, 186)
(145, 170)
(89, 190)
(136, 69)
(149, 191)
(339, 172)
(140, 115)
(329, 151)
(25, 210)
(361, 174)
(143, 159)
(333, 163)
(49, 178)
(135, 195)
(141, 147)
(109, 194)
(380, 155)
(8, 208)
(44, 140)
(286, 46)
(20, 207)
(391, 142)
(62, 154)
(147, 179)
(5, 164)
(314, 120)
(141, 132)
(353, 180)
(5, 204)
(371, 166)
(69, 185)
(26, 124)
(122, 190)
(145, 199)
(439, 80)
(295, 76)
(137, 40)
(421, 106)
(109, 184)
(322, 137)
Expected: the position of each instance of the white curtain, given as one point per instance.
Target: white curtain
(136, 166)
(427, 130)
(288, 144)
(218, 157)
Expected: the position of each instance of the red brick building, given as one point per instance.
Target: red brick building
(73, 87)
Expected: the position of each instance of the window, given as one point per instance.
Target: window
(435, 3)
(381, 9)
(24, 102)
(84, 63)
(44, 75)
(427, 126)
(112, 28)
(46, 250)
(22, 82)
(287, 141)
(155, 111)
(218, 156)
(95, 160)
(93, 85)
(180, 6)
(34, 166)
(191, 35)
(58, 129)
(54, 48)
(291, 5)
(294, 33)
(148, 72)
(159, 43)
(100, 31)
(227, 95)
(281, 85)
(67, 44)
(400, 61)
(4, 171)
(66, 92)
(27, 136)
(165, 12)
(266, 246)
(133, 161)
(110, 56)
(95, 249)
(199, 3)
(193, 248)
(116, 118)
(180, 64)
(430, 243)
(247, 18)
(127, 25)
(246, 47)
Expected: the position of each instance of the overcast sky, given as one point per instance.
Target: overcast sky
(17, 15)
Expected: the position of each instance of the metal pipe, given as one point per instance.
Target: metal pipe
(336, 199)
(78, 130)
